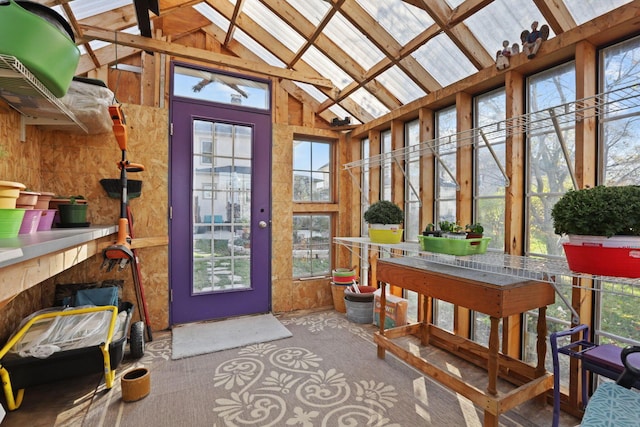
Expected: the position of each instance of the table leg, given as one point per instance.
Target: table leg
(492, 362)
(490, 420)
(425, 333)
(541, 344)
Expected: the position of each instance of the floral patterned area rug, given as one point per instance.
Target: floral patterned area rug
(326, 374)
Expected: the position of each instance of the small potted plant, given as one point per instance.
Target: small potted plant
(430, 230)
(603, 227)
(452, 230)
(74, 212)
(385, 222)
(474, 231)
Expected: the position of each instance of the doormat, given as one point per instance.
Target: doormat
(207, 337)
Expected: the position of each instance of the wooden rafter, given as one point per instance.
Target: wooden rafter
(232, 22)
(189, 52)
(556, 14)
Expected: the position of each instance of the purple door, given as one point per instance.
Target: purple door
(220, 160)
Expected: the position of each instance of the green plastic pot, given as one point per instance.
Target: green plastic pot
(73, 213)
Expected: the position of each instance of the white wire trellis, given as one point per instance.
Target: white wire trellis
(602, 105)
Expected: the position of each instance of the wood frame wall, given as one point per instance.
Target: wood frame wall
(580, 45)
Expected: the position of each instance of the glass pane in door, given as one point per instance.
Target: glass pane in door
(221, 200)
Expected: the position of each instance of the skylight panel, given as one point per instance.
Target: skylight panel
(369, 103)
(257, 48)
(341, 113)
(279, 29)
(85, 8)
(506, 23)
(313, 91)
(352, 41)
(313, 10)
(326, 67)
(585, 10)
(402, 20)
(443, 60)
(455, 3)
(212, 15)
(400, 85)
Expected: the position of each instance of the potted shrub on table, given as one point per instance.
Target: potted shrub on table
(603, 227)
(385, 222)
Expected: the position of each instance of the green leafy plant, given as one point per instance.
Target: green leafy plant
(73, 200)
(598, 211)
(384, 212)
(475, 228)
(449, 227)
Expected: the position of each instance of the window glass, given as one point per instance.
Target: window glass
(489, 183)
(548, 178)
(549, 94)
(616, 317)
(412, 184)
(311, 171)
(385, 172)
(445, 193)
(311, 245)
(222, 88)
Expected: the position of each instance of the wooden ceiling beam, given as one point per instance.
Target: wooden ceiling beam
(292, 89)
(459, 33)
(336, 54)
(232, 22)
(556, 14)
(282, 53)
(181, 51)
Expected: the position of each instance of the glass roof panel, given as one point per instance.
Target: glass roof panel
(454, 3)
(245, 40)
(443, 60)
(400, 85)
(505, 21)
(313, 91)
(402, 20)
(85, 8)
(274, 25)
(313, 10)
(341, 113)
(212, 15)
(326, 67)
(369, 102)
(585, 10)
(352, 41)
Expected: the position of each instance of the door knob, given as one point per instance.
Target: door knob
(262, 224)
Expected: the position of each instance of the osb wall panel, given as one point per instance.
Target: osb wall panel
(19, 161)
(71, 164)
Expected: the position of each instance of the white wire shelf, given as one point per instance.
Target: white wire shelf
(550, 270)
(27, 95)
(608, 104)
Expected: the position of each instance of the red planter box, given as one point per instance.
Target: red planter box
(603, 261)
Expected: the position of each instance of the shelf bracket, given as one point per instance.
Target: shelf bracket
(495, 158)
(444, 166)
(408, 181)
(565, 151)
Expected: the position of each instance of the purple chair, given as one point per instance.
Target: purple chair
(605, 359)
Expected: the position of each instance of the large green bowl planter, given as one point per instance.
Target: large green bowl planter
(48, 53)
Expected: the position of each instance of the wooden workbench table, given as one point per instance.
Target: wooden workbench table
(496, 295)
